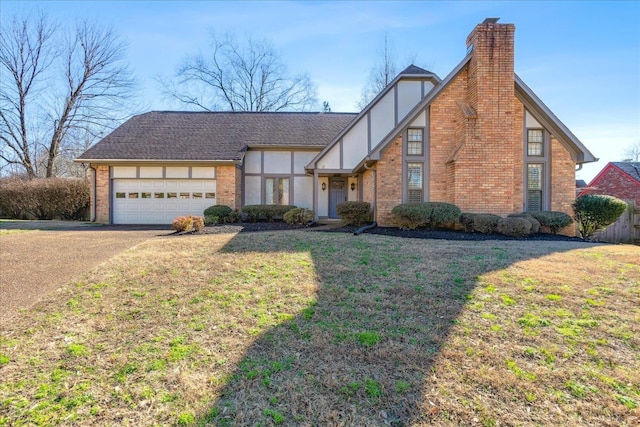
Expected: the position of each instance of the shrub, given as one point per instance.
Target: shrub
(221, 214)
(269, 213)
(414, 215)
(485, 223)
(535, 224)
(298, 216)
(595, 212)
(552, 220)
(410, 215)
(354, 213)
(64, 198)
(514, 226)
(221, 211)
(197, 222)
(467, 219)
(182, 224)
(211, 220)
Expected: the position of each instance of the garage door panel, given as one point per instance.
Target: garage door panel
(159, 201)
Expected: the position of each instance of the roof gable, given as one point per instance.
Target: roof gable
(207, 136)
(542, 113)
(375, 121)
(631, 170)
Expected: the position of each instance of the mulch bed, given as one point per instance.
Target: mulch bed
(249, 227)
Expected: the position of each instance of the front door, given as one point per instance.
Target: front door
(337, 195)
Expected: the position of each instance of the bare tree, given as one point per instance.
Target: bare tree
(381, 74)
(632, 152)
(25, 54)
(240, 77)
(55, 86)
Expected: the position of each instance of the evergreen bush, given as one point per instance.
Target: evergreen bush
(553, 220)
(595, 212)
(298, 216)
(354, 213)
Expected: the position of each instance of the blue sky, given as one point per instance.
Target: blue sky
(581, 58)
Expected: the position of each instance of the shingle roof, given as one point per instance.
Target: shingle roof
(171, 135)
(630, 168)
(413, 69)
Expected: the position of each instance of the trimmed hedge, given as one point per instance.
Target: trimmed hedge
(220, 211)
(354, 213)
(553, 220)
(45, 198)
(535, 224)
(516, 226)
(467, 219)
(414, 215)
(298, 216)
(220, 214)
(594, 212)
(485, 223)
(269, 213)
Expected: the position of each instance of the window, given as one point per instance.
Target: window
(133, 195)
(120, 195)
(535, 142)
(415, 142)
(209, 195)
(414, 182)
(197, 195)
(146, 195)
(158, 195)
(172, 195)
(534, 187)
(276, 191)
(184, 195)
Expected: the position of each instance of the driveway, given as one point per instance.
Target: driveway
(34, 263)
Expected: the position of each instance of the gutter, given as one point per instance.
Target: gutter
(157, 161)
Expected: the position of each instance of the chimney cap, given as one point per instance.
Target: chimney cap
(490, 20)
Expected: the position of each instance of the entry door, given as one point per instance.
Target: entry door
(337, 194)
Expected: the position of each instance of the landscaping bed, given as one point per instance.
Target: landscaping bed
(441, 234)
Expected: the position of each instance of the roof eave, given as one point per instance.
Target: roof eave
(542, 113)
(108, 161)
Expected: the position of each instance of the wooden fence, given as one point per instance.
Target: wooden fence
(626, 229)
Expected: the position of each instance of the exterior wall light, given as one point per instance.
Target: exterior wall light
(324, 186)
(353, 186)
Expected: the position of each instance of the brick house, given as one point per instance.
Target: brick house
(479, 138)
(618, 179)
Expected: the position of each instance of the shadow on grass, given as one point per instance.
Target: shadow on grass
(360, 351)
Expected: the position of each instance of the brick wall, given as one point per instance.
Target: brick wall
(446, 131)
(228, 186)
(614, 182)
(101, 198)
(368, 185)
(563, 178)
(389, 185)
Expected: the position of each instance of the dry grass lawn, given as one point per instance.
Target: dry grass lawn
(310, 328)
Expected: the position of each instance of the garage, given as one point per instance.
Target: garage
(154, 195)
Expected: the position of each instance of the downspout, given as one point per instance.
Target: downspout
(94, 189)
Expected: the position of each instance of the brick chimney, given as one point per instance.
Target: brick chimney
(491, 67)
(493, 135)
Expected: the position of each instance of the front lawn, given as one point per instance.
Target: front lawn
(312, 328)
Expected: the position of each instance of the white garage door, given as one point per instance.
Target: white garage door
(159, 201)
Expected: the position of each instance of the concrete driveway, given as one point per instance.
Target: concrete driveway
(37, 262)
